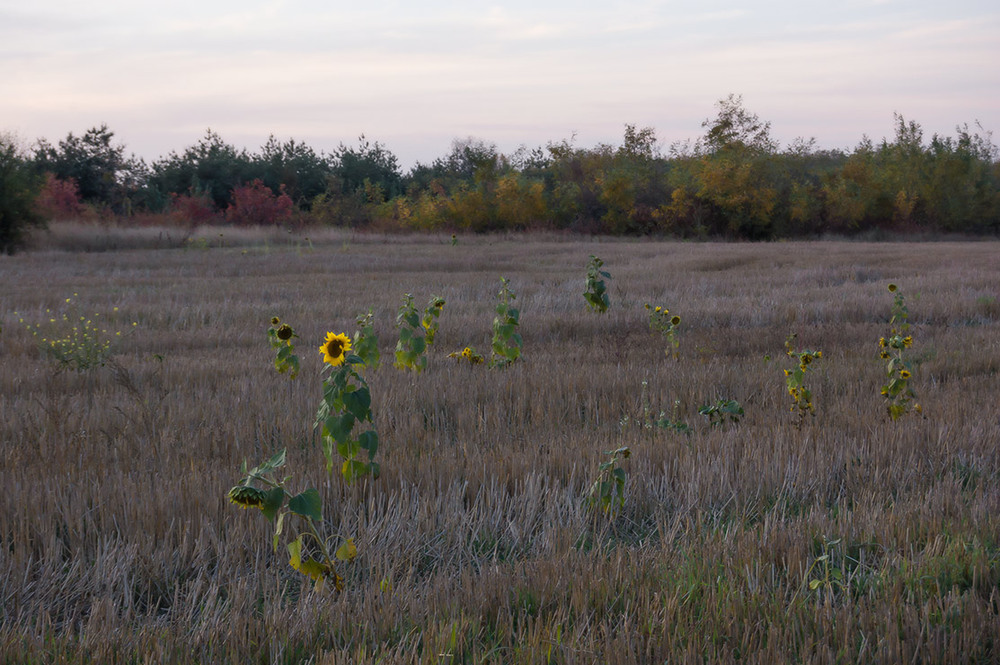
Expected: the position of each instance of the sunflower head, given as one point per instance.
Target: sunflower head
(335, 348)
(275, 321)
(285, 332)
(893, 288)
(675, 321)
(246, 496)
(904, 374)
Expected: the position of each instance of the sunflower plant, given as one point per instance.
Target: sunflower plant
(897, 390)
(416, 332)
(661, 321)
(469, 355)
(596, 293)
(607, 493)
(346, 404)
(507, 342)
(280, 336)
(802, 397)
(309, 553)
(722, 412)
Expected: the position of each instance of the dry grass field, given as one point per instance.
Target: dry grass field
(854, 538)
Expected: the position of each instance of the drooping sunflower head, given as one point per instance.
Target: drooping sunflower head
(246, 496)
(275, 321)
(335, 348)
(285, 332)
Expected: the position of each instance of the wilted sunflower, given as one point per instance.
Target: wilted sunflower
(892, 288)
(675, 321)
(285, 332)
(246, 496)
(335, 348)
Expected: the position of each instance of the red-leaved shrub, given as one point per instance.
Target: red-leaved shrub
(192, 211)
(59, 199)
(256, 205)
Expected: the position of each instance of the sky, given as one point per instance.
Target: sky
(415, 76)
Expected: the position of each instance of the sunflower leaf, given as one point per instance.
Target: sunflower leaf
(273, 499)
(307, 504)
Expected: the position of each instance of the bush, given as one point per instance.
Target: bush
(18, 188)
(59, 199)
(256, 205)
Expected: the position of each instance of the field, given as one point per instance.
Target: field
(853, 538)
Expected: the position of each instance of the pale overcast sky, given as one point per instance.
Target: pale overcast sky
(415, 75)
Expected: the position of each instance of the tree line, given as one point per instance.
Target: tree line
(734, 181)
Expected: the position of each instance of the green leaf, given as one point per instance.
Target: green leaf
(307, 504)
(273, 499)
(369, 442)
(358, 402)
(353, 469)
(276, 461)
(348, 449)
(339, 426)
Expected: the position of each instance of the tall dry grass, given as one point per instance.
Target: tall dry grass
(118, 544)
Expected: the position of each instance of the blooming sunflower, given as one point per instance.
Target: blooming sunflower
(275, 321)
(675, 321)
(335, 348)
(904, 374)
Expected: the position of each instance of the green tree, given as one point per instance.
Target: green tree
(211, 167)
(737, 170)
(19, 185)
(98, 166)
(294, 165)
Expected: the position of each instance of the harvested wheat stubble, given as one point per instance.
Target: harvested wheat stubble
(118, 544)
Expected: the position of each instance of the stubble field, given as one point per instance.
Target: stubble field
(854, 538)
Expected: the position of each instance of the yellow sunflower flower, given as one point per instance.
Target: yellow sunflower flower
(676, 321)
(335, 348)
(904, 374)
